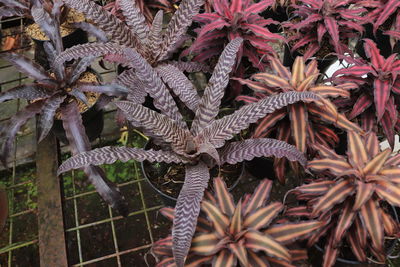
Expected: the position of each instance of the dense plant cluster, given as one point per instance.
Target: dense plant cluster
(327, 128)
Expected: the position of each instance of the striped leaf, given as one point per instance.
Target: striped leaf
(346, 219)
(375, 165)
(187, 209)
(224, 129)
(371, 217)
(331, 91)
(263, 216)
(388, 191)
(299, 119)
(393, 175)
(180, 84)
(297, 71)
(157, 123)
(364, 193)
(224, 198)
(271, 80)
(168, 213)
(315, 188)
(381, 96)
(26, 91)
(257, 260)
(268, 122)
(331, 252)
(389, 224)
(258, 241)
(261, 147)
(278, 67)
(219, 220)
(46, 118)
(356, 247)
(336, 166)
(224, 259)
(362, 103)
(259, 196)
(178, 25)
(335, 195)
(134, 19)
(357, 153)
(206, 244)
(236, 223)
(210, 102)
(289, 232)
(109, 23)
(239, 250)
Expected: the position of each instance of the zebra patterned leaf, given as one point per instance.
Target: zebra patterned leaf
(112, 26)
(110, 154)
(180, 84)
(224, 129)
(157, 123)
(209, 104)
(154, 85)
(187, 210)
(134, 18)
(179, 24)
(26, 91)
(154, 38)
(239, 151)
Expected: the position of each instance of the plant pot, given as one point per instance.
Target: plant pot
(92, 120)
(170, 200)
(389, 248)
(78, 36)
(70, 36)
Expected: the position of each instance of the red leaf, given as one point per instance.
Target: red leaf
(362, 103)
(381, 96)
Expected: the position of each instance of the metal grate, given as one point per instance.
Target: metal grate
(95, 235)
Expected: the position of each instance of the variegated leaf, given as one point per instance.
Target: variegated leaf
(261, 147)
(134, 19)
(10, 131)
(109, 23)
(187, 209)
(26, 91)
(158, 124)
(178, 25)
(224, 129)
(180, 85)
(109, 154)
(46, 118)
(210, 102)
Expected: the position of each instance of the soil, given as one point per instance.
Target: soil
(36, 33)
(169, 178)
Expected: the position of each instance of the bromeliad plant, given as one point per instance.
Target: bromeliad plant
(63, 92)
(319, 24)
(352, 195)
(200, 147)
(232, 19)
(247, 232)
(377, 100)
(307, 120)
(151, 43)
(154, 45)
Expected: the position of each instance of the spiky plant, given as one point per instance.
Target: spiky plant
(233, 19)
(200, 147)
(247, 232)
(352, 197)
(376, 101)
(385, 13)
(58, 92)
(153, 44)
(307, 121)
(318, 24)
(145, 7)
